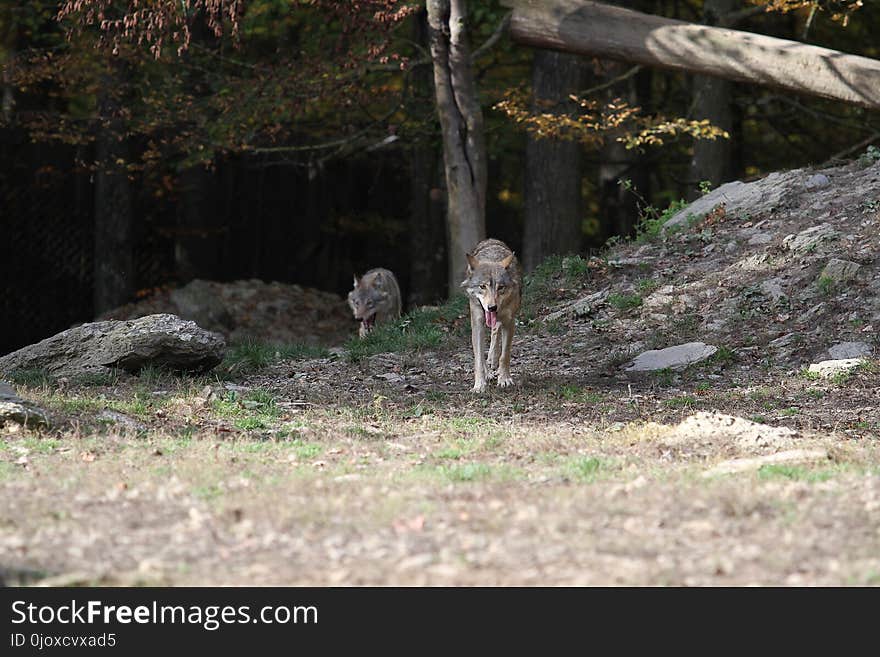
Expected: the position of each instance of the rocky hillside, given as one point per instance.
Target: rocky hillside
(783, 270)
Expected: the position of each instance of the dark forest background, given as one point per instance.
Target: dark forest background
(303, 153)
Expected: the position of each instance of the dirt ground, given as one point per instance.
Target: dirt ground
(389, 471)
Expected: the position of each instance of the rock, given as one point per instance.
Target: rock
(15, 409)
(772, 289)
(753, 198)
(783, 341)
(718, 428)
(830, 368)
(579, 307)
(743, 465)
(163, 340)
(120, 418)
(839, 270)
(761, 238)
(817, 181)
(673, 358)
(810, 239)
(846, 350)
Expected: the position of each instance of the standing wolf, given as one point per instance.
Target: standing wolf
(494, 287)
(375, 298)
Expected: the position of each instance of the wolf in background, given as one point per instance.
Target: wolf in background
(494, 288)
(374, 299)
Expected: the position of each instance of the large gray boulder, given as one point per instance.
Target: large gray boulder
(162, 340)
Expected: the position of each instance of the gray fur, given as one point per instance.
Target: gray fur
(494, 280)
(375, 299)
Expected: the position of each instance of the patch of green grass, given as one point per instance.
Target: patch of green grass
(652, 220)
(423, 328)
(578, 394)
(585, 469)
(251, 423)
(8, 470)
(554, 274)
(794, 472)
(663, 378)
(759, 419)
(724, 356)
(251, 355)
(624, 301)
(684, 401)
(825, 285)
(208, 492)
(42, 445)
(306, 450)
(703, 386)
(33, 377)
(96, 379)
(647, 285)
(465, 471)
(453, 453)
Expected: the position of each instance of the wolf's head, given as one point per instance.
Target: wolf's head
(367, 298)
(491, 284)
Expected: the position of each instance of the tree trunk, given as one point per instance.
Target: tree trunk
(712, 100)
(596, 29)
(461, 123)
(114, 259)
(426, 232)
(552, 194)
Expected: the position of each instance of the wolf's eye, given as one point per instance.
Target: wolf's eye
(371, 303)
(501, 288)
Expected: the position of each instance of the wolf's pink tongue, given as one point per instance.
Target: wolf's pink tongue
(491, 319)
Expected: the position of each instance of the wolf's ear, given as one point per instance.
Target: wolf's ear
(472, 262)
(506, 262)
(357, 281)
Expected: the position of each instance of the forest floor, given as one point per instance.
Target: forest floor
(376, 464)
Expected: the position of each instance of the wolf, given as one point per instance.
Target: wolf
(494, 289)
(374, 299)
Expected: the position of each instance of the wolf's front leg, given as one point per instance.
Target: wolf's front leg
(494, 349)
(479, 347)
(504, 378)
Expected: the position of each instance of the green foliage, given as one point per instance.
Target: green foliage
(249, 356)
(625, 302)
(460, 472)
(34, 377)
(793, 472)
(825, 285)
(724, 356)
(871, 155)
(586, 468)
(423, 328)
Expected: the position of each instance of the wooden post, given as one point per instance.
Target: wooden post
(596, 29)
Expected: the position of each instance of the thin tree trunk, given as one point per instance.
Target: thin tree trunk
(712, 99)
(553, 168)
(461, 122)
(114, 259)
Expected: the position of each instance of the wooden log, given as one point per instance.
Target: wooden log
(596, 29)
